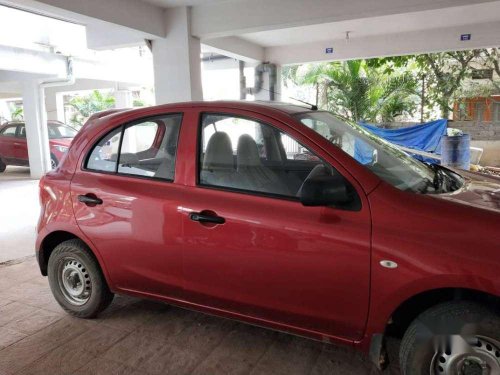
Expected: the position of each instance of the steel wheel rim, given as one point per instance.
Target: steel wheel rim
(74, 281)
(470, 355)
(53, 163)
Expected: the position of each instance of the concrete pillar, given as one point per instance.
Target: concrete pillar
(176, 60)
(266, 94)
(35, 118)
(54, 104)
(123, 99)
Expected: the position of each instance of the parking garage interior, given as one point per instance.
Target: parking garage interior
(174, 51)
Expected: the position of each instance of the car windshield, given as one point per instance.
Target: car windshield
(57, 131)
(381, 157)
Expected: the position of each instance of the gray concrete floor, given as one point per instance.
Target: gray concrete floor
(19, 210)
(143, 337)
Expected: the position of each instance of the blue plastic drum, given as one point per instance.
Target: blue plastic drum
(455, 151)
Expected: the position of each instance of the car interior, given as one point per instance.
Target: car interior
(235, 153)
(264, 160)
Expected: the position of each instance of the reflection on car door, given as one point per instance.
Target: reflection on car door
(269, 257)
(125, 200)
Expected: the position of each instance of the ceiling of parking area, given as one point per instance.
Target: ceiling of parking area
(396, 23)
(176, 3)
(288, 31)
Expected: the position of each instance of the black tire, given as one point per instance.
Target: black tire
(3, 166)
(460, 318)
(74, 258)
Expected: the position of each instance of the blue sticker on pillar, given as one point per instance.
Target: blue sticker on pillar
(329, 50)
(465, 37)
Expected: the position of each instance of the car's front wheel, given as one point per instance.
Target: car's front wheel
(76, 280)
(453, 338)
(3, 166)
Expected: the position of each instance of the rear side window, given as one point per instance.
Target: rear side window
(147, 148)
(104, 156)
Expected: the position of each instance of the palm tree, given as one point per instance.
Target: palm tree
(358, 92)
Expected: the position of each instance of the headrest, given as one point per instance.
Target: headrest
(219, 153)
(248, 153)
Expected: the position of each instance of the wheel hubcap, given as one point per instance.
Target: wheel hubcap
(53, 164)
(74, 281)
(476, 355)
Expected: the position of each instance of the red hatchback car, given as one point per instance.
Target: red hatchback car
(212, 206)
(14, 148)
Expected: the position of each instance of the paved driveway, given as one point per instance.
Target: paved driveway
(143, 337)
(19, 209)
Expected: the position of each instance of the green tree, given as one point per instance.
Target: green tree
(357, 91)
(441, 74)
(17, 113)
(491, 58)
(89, 104)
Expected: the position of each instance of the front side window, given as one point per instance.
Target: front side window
(147, 148)
(9, 131)
(247, 155)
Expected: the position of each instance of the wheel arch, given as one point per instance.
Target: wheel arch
(409, 309)
(52, 240)
(402, 316)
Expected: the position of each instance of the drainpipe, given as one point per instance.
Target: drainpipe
(272, 70)
(243, 81)
(42, 115)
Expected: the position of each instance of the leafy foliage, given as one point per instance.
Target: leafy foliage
(359, 92)
(381, 89)
(17, 114)
(89, 104)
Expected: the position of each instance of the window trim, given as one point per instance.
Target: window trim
(124, 126)
(236, 190)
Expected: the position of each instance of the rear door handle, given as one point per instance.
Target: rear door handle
(89, 199)
(204, 218)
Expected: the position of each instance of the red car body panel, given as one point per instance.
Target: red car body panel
(314, 271)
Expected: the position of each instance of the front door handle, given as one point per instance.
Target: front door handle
(89, 199)
(206, 218)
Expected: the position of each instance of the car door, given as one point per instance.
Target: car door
(21, 145)
(7, 143)
(125, 199)
(253, 249)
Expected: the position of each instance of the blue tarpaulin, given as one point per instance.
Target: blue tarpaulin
(423, 137)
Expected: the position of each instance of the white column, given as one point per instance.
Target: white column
(176, 60)
(54, 104)
(35, 118)
(123, 99)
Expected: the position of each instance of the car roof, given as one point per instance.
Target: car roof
(265, 107)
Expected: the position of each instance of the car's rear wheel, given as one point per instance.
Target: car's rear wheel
(3, 166)
(459, 338)
(76, 280)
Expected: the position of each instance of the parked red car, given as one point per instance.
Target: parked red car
(14, 148)
(205, 205)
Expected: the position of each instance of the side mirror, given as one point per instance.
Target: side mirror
(328, 190)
